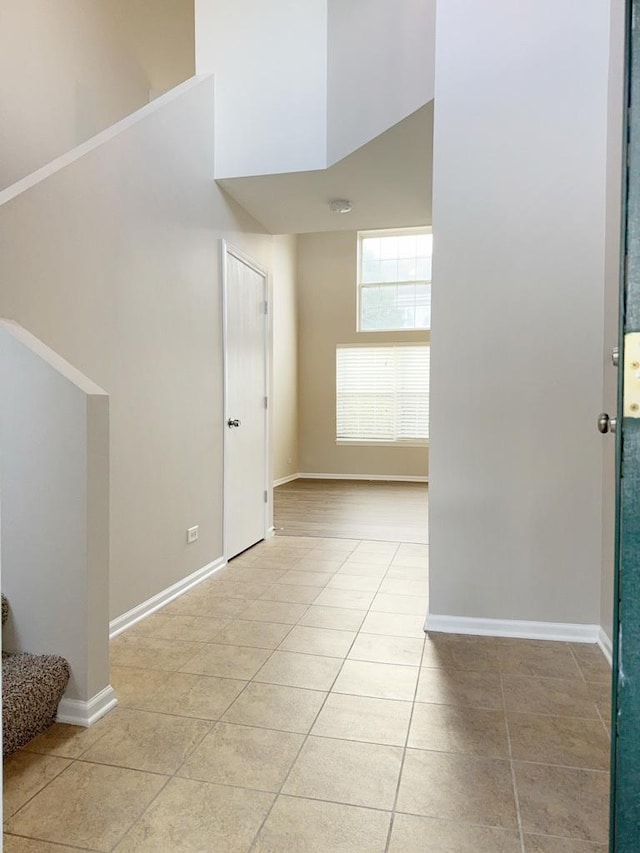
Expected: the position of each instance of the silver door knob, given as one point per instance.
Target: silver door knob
(233, 422)
(606, 424)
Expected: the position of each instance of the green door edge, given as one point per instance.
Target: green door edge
(624, 834)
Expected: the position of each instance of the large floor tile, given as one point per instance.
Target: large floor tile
(358, 774)
(319, 579)
(394, 625)
(463, 689)
(351, 599)
(225, 661)
(209, 604)
(366, 570)
(380, 649)
(140, 740)
(395, 586)
(403, 572)
(593, 664)
(415, 605)
(273, 706)
(453, 652)
(310, 826)
(537, 658)
(192, 629)
(198, 816)
(87, 805)
(69, 741)
(24, 774)
(333, 617)
(458, 787)
(151, 652)
(369, 558)
(135, 688)
(362, 583)
(378, 680)
(275, 611)
(546, 844)
(318, 641)
(291, 594)
(244, 757)
(259, 635)
(253, 574)
(204, 697)
(384, 721)
(249, 590)
(556, 696)
(559, 740)
(412, 834)
(15, 844)
(563, 801)
(472, 731)
(300, 670)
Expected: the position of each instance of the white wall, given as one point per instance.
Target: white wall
(380, 67)
(113, 262)
(54, 469)
(611, 294)
(327, 316)
(517, 341)
(270, 62)
(284, 396)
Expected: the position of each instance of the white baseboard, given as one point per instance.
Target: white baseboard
(141, 611)
(606, 646)
(388, 478)
(75, 712)
(284, 480)
(559, 631)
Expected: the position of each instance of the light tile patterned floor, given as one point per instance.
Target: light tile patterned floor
(292, 703)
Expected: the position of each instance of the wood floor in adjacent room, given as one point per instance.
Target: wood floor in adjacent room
(352, 509)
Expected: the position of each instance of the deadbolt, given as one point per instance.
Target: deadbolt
(615, 356)
(233, 422)
(606, 424)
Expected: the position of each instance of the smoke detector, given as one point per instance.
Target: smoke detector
(340, 205)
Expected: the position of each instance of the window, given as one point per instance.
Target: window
(382, 394)
(394, 280)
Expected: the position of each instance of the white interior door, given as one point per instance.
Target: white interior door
(245, 416)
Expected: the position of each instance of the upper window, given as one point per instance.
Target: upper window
(394, 280)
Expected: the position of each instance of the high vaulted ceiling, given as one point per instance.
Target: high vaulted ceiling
(388, 182)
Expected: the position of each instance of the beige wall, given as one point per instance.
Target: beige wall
(70, 68)
(284, 397)
(113, 262)
(326, 318)
(161, 36)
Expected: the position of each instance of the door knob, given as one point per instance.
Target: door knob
(234, 422)
(606, 424)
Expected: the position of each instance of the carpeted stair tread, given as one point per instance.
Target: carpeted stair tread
(32, 687)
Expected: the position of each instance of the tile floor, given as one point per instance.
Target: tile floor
(292, 703)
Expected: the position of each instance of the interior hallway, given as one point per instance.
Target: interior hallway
(292, 702)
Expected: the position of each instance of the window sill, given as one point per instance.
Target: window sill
(361, 442)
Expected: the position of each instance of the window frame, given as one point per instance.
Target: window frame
(385, 232)
(372, 442)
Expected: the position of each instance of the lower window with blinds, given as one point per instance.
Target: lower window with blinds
(382, 394)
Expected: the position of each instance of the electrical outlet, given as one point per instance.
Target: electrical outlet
(192, 534)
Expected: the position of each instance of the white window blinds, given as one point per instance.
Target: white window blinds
(382, 393)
